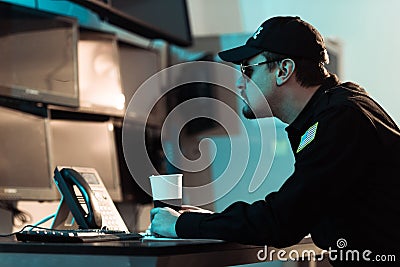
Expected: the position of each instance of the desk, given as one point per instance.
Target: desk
(134, 253)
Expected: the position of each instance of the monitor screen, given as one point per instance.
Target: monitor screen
(25, 172)
(168, 17)
(100, 88)
(38, 56)
(137, 65)
(152, 19)
(334, 47)
(86, 144)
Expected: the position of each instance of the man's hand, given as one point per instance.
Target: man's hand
(163, 221)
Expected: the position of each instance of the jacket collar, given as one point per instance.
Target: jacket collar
(308, 110)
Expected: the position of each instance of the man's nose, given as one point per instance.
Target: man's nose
(241, 83)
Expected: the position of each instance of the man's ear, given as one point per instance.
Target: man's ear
(284, 71)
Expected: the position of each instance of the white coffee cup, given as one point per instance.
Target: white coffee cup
(167, 190)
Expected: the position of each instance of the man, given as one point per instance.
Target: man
(345, 184)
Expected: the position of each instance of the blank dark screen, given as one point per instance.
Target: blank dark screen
(23, 151)
(137, 65)
(38, 56)
(168, 16)
(86, 144)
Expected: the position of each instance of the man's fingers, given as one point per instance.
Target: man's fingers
(153, 212)
(163, 221)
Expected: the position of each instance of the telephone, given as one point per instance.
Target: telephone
(84, 196)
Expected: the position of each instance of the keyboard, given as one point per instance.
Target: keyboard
(75, 236)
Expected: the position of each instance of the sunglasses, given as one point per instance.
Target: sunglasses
(247, 70)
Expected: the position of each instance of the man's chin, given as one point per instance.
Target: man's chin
(249, 114)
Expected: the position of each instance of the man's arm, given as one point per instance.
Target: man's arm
(163, 220)
(322, 170)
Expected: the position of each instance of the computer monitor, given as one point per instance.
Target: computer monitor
(136, 175)
(38, 56)
(152, 19)
(170, 18)
(138, 64)
(334, 47)
(86, 144)
(100, 89)
(25, 172)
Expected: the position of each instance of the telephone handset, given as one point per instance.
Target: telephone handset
(66, 179)
(85, 196)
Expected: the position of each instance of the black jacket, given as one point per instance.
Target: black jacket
(345, 184)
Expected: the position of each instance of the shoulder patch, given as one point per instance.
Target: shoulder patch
(307, 137)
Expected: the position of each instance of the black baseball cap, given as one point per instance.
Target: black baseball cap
(290, 36)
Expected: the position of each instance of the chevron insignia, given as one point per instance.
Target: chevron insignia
(307, 137)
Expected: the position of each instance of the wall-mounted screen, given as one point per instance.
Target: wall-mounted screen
(100, 88)
(38, 59)
(153, 19)
(137, 65)
(168, 17)
(86, 144)
(25, 172)
(334, 47)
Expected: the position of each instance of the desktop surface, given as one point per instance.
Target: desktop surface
(124, 247)
(133, 253)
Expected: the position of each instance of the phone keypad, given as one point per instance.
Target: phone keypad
(108, 212)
